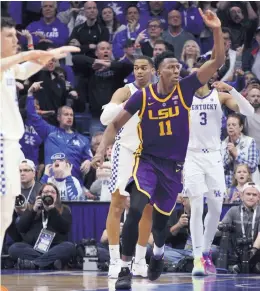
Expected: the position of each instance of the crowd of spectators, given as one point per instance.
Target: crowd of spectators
(61, 105)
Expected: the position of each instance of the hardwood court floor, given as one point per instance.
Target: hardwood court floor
(88, 281)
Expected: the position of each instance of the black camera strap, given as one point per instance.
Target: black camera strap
(253, 223)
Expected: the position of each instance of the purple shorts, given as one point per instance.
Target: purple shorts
(160, 180)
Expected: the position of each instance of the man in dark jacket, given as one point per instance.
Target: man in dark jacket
(104, 77)
(90, 33)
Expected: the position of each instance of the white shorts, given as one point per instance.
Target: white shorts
(204, 175)
(12, 159)
(122, 167)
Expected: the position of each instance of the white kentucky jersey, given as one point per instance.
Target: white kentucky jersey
(11, 123)
(127, 135)
(205, 123)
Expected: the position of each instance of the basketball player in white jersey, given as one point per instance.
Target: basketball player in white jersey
(122, 164)
(203, 168)
(11, 124)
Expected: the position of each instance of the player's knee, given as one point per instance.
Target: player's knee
(117, 204)
(215, 204)
(159, 221)
(134, 214)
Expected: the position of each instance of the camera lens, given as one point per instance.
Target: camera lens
(20, 200)
(47, 200)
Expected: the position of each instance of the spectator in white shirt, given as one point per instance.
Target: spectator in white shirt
(59, 173)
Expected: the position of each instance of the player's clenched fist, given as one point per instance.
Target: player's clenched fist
(98, 159)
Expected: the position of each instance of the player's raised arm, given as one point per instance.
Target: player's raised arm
(209, 68)
(233, 99)
(112, 109)
(132, 106)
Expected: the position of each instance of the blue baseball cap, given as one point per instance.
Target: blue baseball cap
(58, 156)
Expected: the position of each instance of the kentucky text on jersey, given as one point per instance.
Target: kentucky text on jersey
(204, 107)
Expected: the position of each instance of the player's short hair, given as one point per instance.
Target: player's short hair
(7, 22)
(149, 60)
(160, 58)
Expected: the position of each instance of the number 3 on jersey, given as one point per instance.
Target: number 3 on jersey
(203, 120)
(165, 128)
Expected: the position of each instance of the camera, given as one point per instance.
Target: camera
(90, 261)
(47, 200)
(225, 227)
(244, 241)
(222, 261)
(20, 201)
(244, 244)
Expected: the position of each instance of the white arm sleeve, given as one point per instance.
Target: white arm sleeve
(245, 107)
(111, 110)
(26, 70)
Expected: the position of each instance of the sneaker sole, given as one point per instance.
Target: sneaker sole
(199, 274)
(211, 273)
(112, 277)
(139, 276)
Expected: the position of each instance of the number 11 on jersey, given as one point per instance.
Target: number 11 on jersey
(165, 128)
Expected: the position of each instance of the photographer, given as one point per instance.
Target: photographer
(44, 228)
(246, 221)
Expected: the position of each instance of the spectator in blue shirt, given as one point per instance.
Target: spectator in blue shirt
(191, 19)
(61, 139)
(49, 28)
(31, 141)
(156, 10)
(133, 28)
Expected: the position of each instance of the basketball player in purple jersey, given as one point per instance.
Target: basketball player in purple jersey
(164, 134)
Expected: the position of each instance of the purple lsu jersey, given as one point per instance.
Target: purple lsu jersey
(164, 126)
(164, 120)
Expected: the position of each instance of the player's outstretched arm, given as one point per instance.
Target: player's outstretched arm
(112, 109)
(38, 59)
(233, 99)
(209, 68)
(9, 62)
(109, 137)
